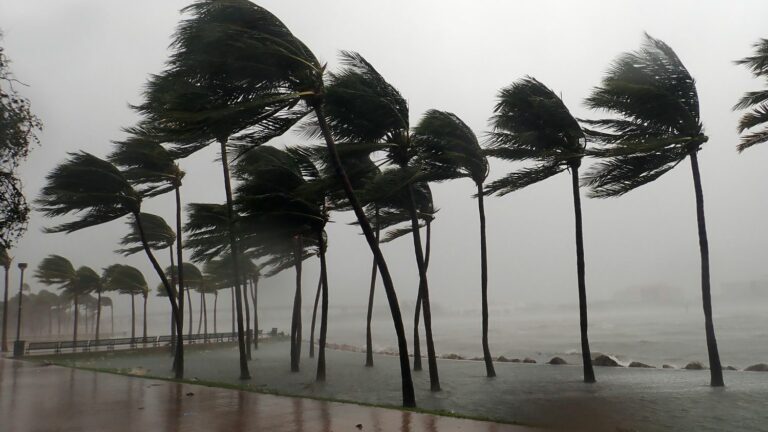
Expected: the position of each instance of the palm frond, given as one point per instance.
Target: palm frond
(522, 178)
(158, 233)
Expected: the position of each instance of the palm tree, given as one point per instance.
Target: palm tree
(59, 271)
(49, 301)
(755, 101)
(153, 171)
(657, 124)
(5, 262)
(107, 302)
(448, 146)
(530, 122)
(274, 81)
(128, 280)
(363, 107)
(97, 190)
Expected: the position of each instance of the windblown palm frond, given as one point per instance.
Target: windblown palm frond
(658, 121)
(88, 281)
(158, 233)
(755, 101)
(89, 187)
(207, 230)
(146, 164)
(56, 270)
(5, 258)
(125, 279)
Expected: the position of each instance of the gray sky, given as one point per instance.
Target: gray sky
(85, 60)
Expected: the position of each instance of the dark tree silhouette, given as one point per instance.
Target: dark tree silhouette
(756, 119)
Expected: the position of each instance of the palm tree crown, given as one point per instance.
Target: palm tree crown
(755, 101)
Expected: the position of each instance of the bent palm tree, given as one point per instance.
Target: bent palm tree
(99, 193)
(530, 122)
(447, 145)
(755, 101)
(128, 280)
(657, 125)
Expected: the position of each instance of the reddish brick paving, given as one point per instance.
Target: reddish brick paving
(36, 398)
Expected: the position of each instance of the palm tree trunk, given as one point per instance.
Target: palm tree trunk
(489, 369)
(200, 315)
(409, 397)
(133, 317)
(179, 372)
(85, 315)
(50, 321)
(74, 327)
(178, 359)
(215, 306)
(296, 320)
(715, 367)
(255, 298)
(324, 314)
(417, 312)
(112, 319)
(244, 373)
(144, 335)
(205, 318)
(232, 297)
(98, 314)
(247, 318)
(4, 343)
(586, 355)
(173, 318)
(369, 316)
(434, 378)
(314, 316)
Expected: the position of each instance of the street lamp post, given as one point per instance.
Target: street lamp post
(18, 345)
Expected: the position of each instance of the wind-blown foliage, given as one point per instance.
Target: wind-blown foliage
(158, 235)
(756, 119)
(657, 124)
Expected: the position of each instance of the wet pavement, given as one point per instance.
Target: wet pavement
(37, 398)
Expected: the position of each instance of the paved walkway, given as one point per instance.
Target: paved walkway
(35, 398)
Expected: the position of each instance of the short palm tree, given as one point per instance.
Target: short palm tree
(531, 123)
(5, 262)
(97, 191)
(129, 280)
(755, 101)
(274, 80)
(448, 146)
(656, 125)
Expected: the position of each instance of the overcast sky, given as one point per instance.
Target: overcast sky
(86, 60)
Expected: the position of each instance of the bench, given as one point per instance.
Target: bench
(40, 346)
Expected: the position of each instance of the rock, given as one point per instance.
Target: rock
(604, 360)
(529, 360)
(502, 359)
(451, 356)
(636, 364)
(730, 368)
(515, 360)
(666, 366)
(694, 365)
(557, 361)
(760, 367)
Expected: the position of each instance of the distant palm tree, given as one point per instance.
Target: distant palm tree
(97, 191)
(657, 124)
(5, 262)
(275, 80)
(531, 123)
(128, 280)
(755, 101)
(49, 301)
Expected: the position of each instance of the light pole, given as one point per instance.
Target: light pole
(18, 345)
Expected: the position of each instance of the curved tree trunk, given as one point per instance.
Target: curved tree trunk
(369, 316)
(489, 369)
(586, 355)
(324, 314)
(179, 372)
(247, 318)
(133, 317)
(244, 373)
(409, 397)
(232, 298)
(296, 317)
(144, 333)
(200, 315)
(434, 378)
(314, 316)
(179, 347)
(255, 298)
(98, 315)
(4, 343)
(715, 367)
(205, 318)
(215, 306)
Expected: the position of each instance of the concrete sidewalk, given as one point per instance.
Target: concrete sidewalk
(36, 398)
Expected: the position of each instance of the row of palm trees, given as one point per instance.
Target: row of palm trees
(237, 77)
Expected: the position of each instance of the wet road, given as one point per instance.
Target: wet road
(36, 398)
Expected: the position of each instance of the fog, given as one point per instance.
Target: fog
(85, 61)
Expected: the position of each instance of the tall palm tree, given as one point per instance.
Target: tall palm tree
(657, 124)
(448, 146)
(531, 123)
(153, 171)
(274, 81)
(755, 101)
(128, 280)
(97, 191)
(5, 262)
